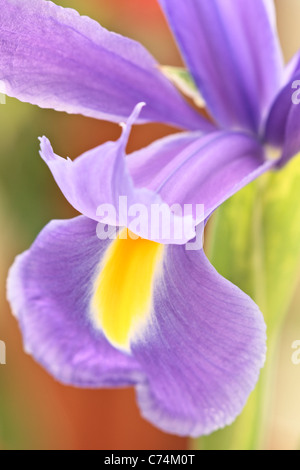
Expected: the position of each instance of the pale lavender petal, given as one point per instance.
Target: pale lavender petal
(282, 128)
(96, 182)
(202, 352)
(184, 169)
(194, 363)
(149, 166)
(232, 50)
(291, 68)
(49, 288)
(52, 57)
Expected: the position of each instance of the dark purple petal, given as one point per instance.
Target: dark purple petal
(191, 169)
(49, 288)
(52, 57)
(203, 351)
(232, 49)
(292, 136)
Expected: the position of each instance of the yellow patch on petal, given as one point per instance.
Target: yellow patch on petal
(123, 290)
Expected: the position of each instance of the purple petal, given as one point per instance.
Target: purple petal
(292, 135)
(52, 57)
(191, 169)
(49, 288)
(194, 362)
(100, 178)
(232, 49)
(202, 352)
(282, 129)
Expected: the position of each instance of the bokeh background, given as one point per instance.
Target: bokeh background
(35, 411)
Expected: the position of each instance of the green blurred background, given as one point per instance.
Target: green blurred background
(35, 411)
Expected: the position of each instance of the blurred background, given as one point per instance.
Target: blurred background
(35, 411)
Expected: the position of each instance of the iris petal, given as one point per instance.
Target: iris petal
(205, 170)
(194, 362)
(282, 128)
(100, 179)
(50, 289)
(52, 57)
(203, 351)
(185, 169)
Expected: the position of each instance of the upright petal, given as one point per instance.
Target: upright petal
(52, 57)
(202, 350)
(49, 288)
(232, 49)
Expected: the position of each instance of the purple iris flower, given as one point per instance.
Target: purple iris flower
(143, 312)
